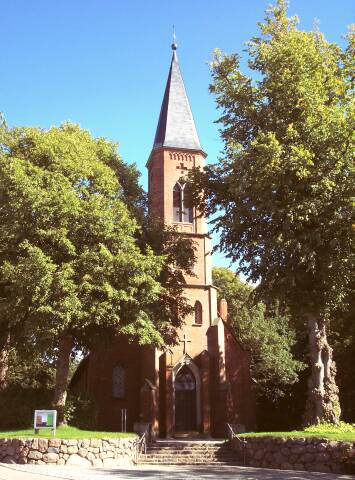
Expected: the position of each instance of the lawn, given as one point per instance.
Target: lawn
(346, 436)
(342, 431)
(65, 432)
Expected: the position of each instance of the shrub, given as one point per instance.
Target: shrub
(81, 411)
(342, 427)
(17, 405)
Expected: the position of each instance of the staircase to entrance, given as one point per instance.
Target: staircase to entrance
(188, 452)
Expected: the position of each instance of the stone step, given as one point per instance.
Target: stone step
(187, 458)
(187, 444)
(189, 453)
(182, 450)
(188, 447)
(195, 449)
(175, 461)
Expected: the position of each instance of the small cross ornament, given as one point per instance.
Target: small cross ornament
(181, 167)
(185, 341)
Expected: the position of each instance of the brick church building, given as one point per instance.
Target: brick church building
(203, 382)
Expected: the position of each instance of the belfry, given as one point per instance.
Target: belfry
(197, 386)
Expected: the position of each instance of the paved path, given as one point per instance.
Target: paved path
(44, 472)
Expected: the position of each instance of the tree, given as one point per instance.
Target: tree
(283, 187)
(70, 263)
(179, 253)
(264, 331)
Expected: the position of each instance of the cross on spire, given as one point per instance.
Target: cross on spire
(174, 44)
(185, 341)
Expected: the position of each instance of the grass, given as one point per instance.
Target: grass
(345, 436)
(65, 432)
(343, 431)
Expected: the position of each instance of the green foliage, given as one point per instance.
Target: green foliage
(283, 187)
(81, 411)
(172, 307)
(332, 435)
(29, 369)
(265, 332)
(69, 259)
(321, 428)
(18, 404)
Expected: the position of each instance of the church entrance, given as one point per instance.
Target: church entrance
(185, 401)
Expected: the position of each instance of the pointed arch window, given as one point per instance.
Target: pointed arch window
(118, 382)
(177, 202)
(198, 313)
(182, 203)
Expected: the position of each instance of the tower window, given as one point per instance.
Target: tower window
(198, 313)
(177, 201)
(182, 203)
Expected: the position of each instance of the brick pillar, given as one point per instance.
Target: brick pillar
(169, 402)
(206, 393)
(223, 309)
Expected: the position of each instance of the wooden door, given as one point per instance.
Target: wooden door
(185, 401)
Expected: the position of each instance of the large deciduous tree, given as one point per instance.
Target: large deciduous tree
(70, 263)
(284, 185)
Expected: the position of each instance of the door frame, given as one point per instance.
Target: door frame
(187, 360)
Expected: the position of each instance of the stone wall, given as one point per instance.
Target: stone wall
(94, 452)
(311, 454)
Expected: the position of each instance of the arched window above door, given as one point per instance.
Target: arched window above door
(185, 380)
(182, 203)
(198, 313)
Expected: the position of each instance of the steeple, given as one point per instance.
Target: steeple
(176, 126)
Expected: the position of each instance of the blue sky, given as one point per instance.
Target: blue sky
(104, 63)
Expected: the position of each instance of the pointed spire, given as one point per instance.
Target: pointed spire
(176, 126)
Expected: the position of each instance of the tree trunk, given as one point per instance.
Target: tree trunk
(323, 400)
(4, 362)
(65, 347)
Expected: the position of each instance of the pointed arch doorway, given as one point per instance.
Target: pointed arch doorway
(185, 401)
(187, 396)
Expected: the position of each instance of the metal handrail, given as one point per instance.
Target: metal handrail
(231, 435)
(141, 444)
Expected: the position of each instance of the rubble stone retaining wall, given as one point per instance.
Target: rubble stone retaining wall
(285, 453)
(96, 452)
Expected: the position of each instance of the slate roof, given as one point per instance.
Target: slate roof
(176, 126)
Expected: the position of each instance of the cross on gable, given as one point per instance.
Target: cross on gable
(185, 341)
(181, 167)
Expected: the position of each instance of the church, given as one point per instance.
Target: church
(199, 385)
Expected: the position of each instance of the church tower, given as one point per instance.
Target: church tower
(176, 150)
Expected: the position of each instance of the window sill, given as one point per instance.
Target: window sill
(196, 324)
